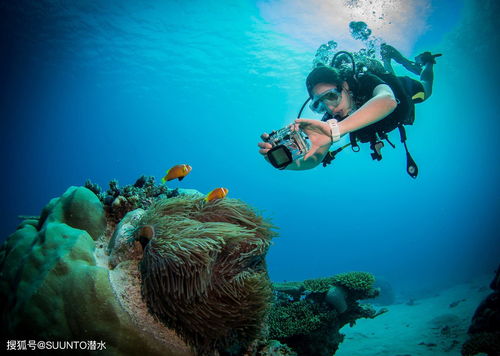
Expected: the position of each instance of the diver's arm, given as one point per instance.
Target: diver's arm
(379, 106)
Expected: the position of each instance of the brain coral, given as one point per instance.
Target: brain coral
(53, 286)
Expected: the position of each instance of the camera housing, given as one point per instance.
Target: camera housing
(288, 146)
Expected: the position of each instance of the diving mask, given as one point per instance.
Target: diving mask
(331, 97)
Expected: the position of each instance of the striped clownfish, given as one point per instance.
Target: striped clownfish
(177, 172)
(217, 193)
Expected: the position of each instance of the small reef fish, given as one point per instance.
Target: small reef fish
(217, 193)
(177, 172)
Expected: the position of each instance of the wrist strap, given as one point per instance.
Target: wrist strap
(334, 126)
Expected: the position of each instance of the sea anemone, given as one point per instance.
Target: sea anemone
(203, 270)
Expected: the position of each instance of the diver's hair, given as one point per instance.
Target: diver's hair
(329, 75)
(337, 77)
(342, 78)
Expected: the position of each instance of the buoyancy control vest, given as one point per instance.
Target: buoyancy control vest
(403, 114)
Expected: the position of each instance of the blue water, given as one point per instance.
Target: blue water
(118, 89)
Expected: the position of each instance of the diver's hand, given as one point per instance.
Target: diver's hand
(319, 133)
(264, 146)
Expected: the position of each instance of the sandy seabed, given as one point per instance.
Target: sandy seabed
(430, 326)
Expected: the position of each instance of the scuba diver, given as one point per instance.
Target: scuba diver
(367, 101)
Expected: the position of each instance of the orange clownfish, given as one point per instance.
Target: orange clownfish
(217, 193)
(177, 172)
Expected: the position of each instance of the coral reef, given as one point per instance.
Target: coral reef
(359, 283)
(275, 348)
(181, 276)
(482, 343)
(52, 286)
(120, 247)
(307, 316)
(150, 270)
(336, 296)
(118, 201)
(484, 331)
(77, 208)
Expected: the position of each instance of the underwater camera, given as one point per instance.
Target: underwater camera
(287, 145)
